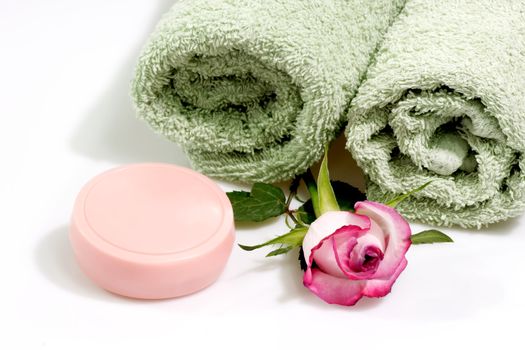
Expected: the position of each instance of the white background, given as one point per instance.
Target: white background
(65, 68)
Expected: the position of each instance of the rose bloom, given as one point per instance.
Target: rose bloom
(351, 255)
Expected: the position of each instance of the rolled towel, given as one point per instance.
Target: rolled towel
(445, 102)
(252, 90)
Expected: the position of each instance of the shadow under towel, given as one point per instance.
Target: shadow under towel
(445, 102)
(252, 90)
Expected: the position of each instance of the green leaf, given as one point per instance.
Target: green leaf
(327, 200)
(394, 202)
(430, 236)
(294, 238)
(280, 251)
(346, 195)
(265, 201)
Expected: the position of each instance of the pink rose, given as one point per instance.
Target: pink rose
(351, 255)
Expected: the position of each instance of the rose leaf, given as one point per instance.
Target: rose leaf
(263, 202)
(280, 251)
(430, 236)
(395, 201)
(325, 191)
(289, 240)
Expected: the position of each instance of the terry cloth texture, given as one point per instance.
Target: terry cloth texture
(252, 90)
(445, 102)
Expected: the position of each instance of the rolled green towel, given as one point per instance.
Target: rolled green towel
(251, 89)
(445, 102)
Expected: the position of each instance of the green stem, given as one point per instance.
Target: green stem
(294, 219)
(298, 218)
(292, 194)
(287, 223)
(312, 189)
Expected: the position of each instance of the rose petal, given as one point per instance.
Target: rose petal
(347, 256)
(332, 289)
(366, 255)
(344, 239)
(327, 224)
(380, 288)
(397, 235)
(376, 232)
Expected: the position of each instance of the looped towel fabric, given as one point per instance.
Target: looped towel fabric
(253, 90)
(445, 102)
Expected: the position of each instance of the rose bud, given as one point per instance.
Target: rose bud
(351, 255)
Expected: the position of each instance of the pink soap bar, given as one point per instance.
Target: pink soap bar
(152, 231)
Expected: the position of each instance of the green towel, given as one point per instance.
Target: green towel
(251, 89)
(445, 102)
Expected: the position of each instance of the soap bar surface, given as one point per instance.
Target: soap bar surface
(152, 231)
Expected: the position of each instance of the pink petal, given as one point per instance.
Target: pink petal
(374, 232)
(332, 289)
(327, 224)
(343, 239)
(348, 257)
(380, 288)
(397, 235)
(365, 258)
